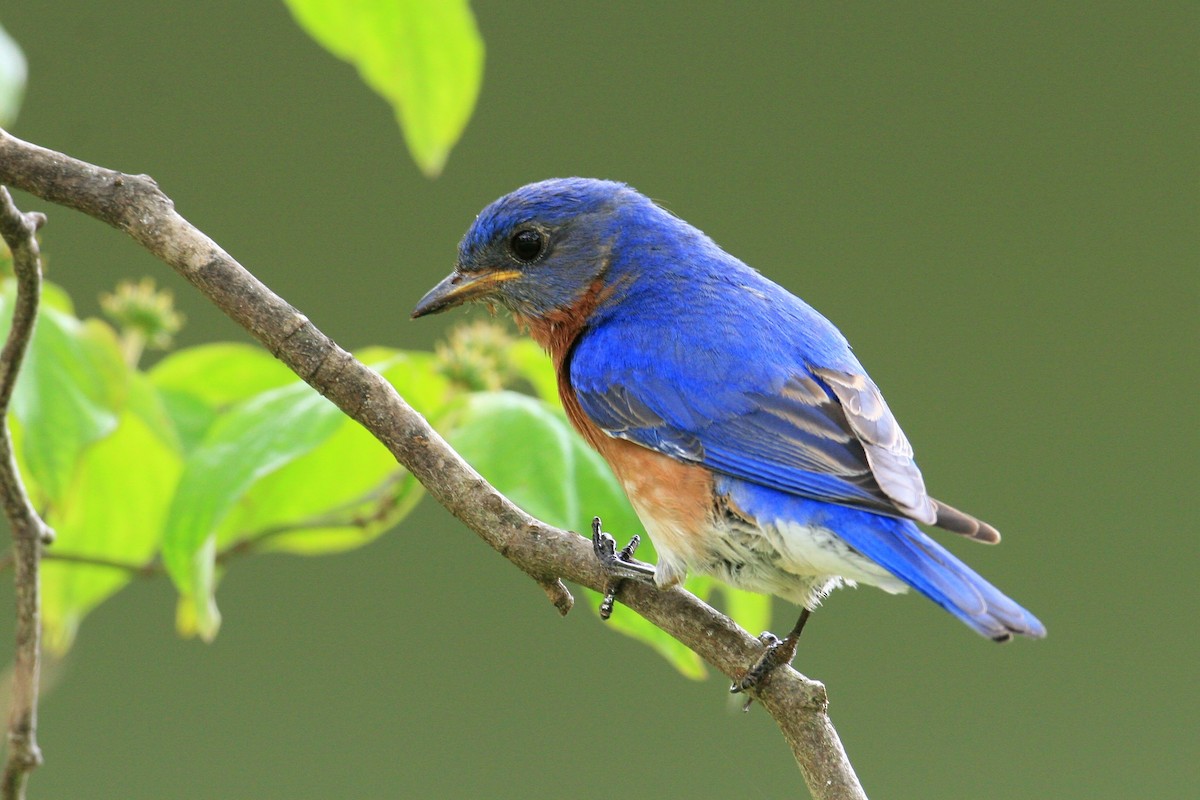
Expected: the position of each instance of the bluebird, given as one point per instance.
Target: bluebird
(750, 440)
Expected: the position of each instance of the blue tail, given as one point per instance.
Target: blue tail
(902, 549)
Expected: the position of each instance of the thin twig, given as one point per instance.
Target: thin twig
(134, 204)
(28, 531)
(147, 569)
(346, 515)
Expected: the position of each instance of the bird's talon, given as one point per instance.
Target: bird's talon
(777, 653)
(604, 544)
(620, 564)
(628, 550)
(606, 605)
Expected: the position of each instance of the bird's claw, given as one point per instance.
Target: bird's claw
(619, 564)
(768, 639)
(777, 652)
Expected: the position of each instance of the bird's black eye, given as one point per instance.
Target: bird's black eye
(527, 245)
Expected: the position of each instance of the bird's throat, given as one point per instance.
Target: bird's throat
(558, 330)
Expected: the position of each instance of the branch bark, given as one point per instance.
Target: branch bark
(134, 204)
(28, 531)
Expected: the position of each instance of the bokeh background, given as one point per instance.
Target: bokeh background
(997, 204)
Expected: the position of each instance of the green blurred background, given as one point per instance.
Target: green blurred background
(996, 203)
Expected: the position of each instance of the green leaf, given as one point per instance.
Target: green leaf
(246, 443)
(527, 450)
(348, 490)
(221, 374)
(425, 57)
(195, 384)
(12, 79)
(113, 509)
(343, 494)
(72, 384)
(54, 296)
(283, 463)
(147, 403)
(190, 417)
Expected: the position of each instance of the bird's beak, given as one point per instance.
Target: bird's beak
(459, 287)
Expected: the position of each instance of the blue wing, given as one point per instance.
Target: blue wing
(766, 391)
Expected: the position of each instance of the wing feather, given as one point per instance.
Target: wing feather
(824, 434)
(888, 452)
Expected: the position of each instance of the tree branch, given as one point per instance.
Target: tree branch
(134, 204)
(28, 531)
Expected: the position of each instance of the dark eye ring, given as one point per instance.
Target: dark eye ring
(527, 245)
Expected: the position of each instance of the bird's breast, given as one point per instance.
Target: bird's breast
(673, 499)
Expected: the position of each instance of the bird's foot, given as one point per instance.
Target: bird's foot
(619, 564)
(777, 653)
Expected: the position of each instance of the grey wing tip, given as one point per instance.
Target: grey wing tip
(1029, 626)
(955, 521)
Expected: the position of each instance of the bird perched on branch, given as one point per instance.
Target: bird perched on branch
(749, 439)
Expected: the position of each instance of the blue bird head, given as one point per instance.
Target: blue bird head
(536, 250)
